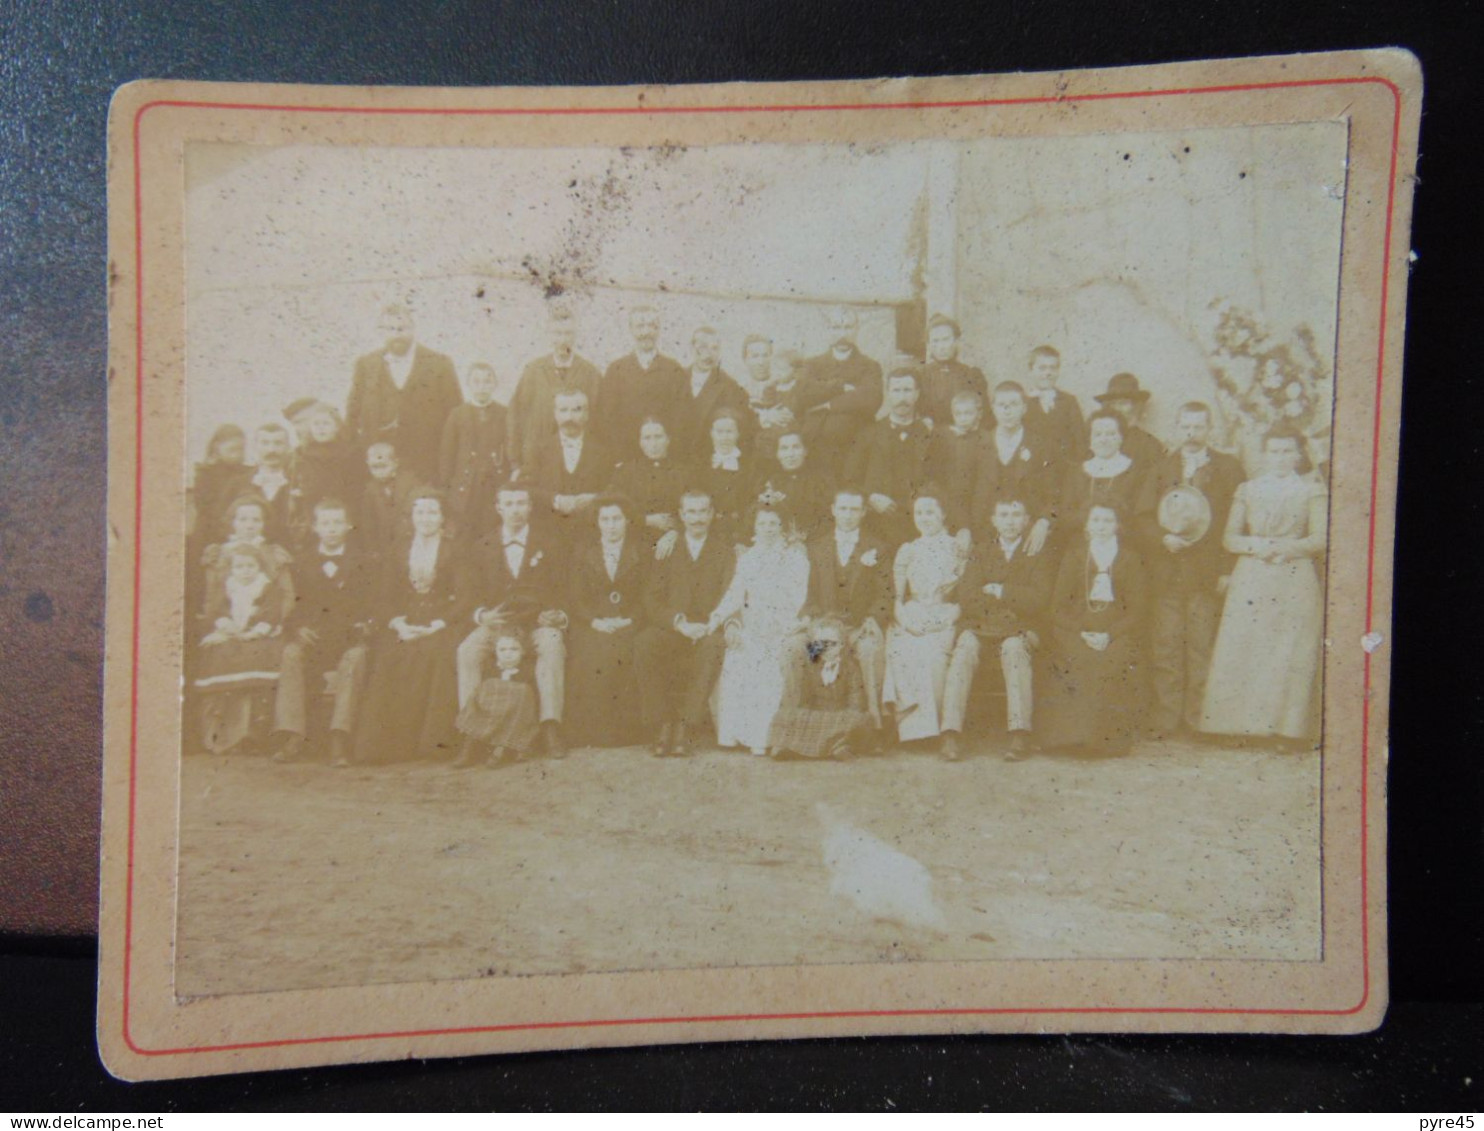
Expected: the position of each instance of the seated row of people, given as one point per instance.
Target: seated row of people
(595, 606)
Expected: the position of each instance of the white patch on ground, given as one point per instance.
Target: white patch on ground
(880, 880)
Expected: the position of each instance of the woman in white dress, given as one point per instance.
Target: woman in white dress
(1264, 678)
(920, 640)
(759, 610)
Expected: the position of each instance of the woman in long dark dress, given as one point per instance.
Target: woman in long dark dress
(606, 611)
(653, 482)
(1095, 694)
(1109, 478)
(790, 484)
(412, 695)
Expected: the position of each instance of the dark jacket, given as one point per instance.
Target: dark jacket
(628, 393)
(542, 584)
(532, 415)
(944, 380)
(445, 600)
(1023, 604)
(1196, 567)
(954, 464)
(835, 413)
(1062, 432)
(861, 590)
(690, 440)
(471, 459)
(1030, 477)
(410, 418)
(333, 603)
(594, 596)
(690, 589)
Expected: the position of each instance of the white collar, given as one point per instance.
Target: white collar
(1099, 468)
(1103, 551)
(645, 360)
(571, 441)
(519, 537)
(1009, 548)
(331, 553)
(838, 356)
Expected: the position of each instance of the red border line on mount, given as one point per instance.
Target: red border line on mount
(639, 110)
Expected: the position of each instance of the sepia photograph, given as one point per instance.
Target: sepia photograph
(614, 566)
(733, 556)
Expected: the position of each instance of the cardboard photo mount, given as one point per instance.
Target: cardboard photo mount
(146, 1030)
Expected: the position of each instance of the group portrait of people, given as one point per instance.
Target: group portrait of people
(820, 557)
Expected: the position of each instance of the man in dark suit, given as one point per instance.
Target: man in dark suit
(403, 393)
(707, 390)
(1053, 415)
(850, 578)
(1018, 465)
(1003, 596)
(678, 660)
(638, 385)
(532, 413)
(274, 478)
(324, 633)
(571, 469)
(890, 459)
(944, 376)
(840, 391)
(521, 578)
(1187, 568)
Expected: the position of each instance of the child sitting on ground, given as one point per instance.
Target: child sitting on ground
(499, 721)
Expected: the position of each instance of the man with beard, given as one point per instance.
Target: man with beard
(841, 390)
(640, 384)
(708, 389)
(532, 417)
(403, 393)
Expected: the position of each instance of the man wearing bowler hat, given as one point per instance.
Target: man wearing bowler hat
(1125, 397)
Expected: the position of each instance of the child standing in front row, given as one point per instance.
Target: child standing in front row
(499, 721)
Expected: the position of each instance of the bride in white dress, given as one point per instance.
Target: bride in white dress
(759, 611)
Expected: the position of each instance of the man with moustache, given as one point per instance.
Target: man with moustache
(531, 416)
(841, 390)
(890, 459)
(707, 390)
(571, 468)
(1187, 569)
(640, 384)
(403, 393)
(678, 660)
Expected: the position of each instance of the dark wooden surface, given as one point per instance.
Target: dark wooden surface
(58, 66)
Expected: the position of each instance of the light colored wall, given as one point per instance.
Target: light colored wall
(1116, 259)
(292, 252)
